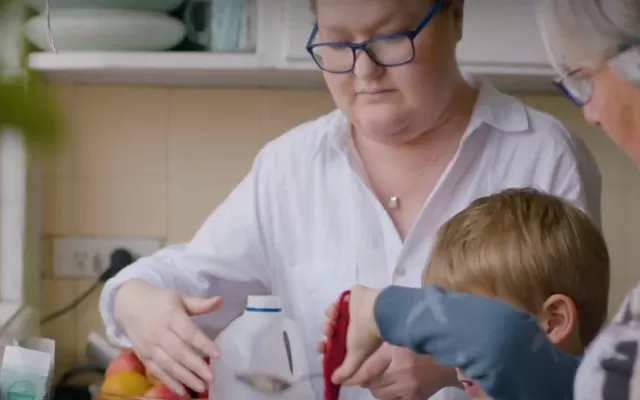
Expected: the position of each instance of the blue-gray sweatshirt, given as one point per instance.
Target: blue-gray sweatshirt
(502, 349)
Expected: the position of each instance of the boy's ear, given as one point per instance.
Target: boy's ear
(559, 319)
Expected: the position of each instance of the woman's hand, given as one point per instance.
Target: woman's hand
(169, 343)
(398, 373)
(363, 338)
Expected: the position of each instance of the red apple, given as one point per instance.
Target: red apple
(126, 361)
(161, 391)
(196, 395)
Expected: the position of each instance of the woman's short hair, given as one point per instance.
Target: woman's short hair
(586, 33)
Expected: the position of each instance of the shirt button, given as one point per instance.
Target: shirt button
(400, 273)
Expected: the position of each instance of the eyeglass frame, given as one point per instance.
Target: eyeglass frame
(411, 35)
(560, 82)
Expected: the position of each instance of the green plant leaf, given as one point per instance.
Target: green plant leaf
(26, 105)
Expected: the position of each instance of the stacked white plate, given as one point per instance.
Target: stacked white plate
(161, 6)
(106, 25)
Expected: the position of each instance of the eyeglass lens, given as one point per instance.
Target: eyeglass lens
(386, 51)
(578, 90)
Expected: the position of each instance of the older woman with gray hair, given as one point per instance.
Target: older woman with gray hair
(594, 45)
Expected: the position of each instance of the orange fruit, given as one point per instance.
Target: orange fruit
(125, 383)
(152, 379)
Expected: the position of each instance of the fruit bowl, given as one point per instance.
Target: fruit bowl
(96, 394)
(126, 378)
(108, 396)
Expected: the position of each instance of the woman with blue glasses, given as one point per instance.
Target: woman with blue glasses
(353, 196)
(594, 45)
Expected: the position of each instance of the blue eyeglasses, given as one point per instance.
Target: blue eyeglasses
(578, 89)
(575, 88)
(387, 50)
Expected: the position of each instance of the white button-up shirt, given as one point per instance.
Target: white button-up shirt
(304, 225)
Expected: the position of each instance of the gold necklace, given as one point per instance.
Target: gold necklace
(393, 202)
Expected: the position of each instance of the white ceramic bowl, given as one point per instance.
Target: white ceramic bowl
(106, 30)
(143, 5)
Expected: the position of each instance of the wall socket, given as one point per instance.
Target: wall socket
(88, 257)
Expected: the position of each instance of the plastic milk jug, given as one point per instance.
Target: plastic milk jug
(261, 341)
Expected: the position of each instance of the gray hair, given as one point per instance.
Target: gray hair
(586, 33)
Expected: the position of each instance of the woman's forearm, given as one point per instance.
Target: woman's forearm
(499, 347)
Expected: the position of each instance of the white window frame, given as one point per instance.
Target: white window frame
(13, 178)
(13, 201)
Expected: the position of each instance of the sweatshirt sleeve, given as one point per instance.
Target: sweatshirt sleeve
(611, 366)
(491, 342)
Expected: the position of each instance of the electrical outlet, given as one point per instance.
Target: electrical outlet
(88, 257)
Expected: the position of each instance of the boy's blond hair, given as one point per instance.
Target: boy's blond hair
(522, 246)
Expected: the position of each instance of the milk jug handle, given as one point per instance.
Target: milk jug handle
(295, 346)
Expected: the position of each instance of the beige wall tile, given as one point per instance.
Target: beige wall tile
(121, 133)
(286, 109)
(212, 132)
(58, 161)
(88, 317)
(59, 199)
(616, 168)
(621, 224)
(47, 257)
(121, 208)
(621, 284)
(57, 294)
(189, 204)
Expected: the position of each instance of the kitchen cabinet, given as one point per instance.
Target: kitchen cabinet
(501, 42)
(283, 42)
(501, 37)
(297, 24)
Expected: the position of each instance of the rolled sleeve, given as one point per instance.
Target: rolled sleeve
(141, 270)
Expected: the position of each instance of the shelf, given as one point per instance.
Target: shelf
(514, 78)
(236, 69)
(170, 68)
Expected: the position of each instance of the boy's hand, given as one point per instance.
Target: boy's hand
(363, 337)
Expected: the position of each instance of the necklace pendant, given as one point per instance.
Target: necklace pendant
(394, 202)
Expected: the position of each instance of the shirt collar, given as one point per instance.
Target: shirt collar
(499, 110)
(494, 108)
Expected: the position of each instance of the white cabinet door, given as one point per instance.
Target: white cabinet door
(500, 37)
(501, 34)
(298, 22)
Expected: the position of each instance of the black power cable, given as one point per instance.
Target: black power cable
(119, 259)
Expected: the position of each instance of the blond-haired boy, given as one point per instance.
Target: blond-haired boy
(536, 252)
(501, 266)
